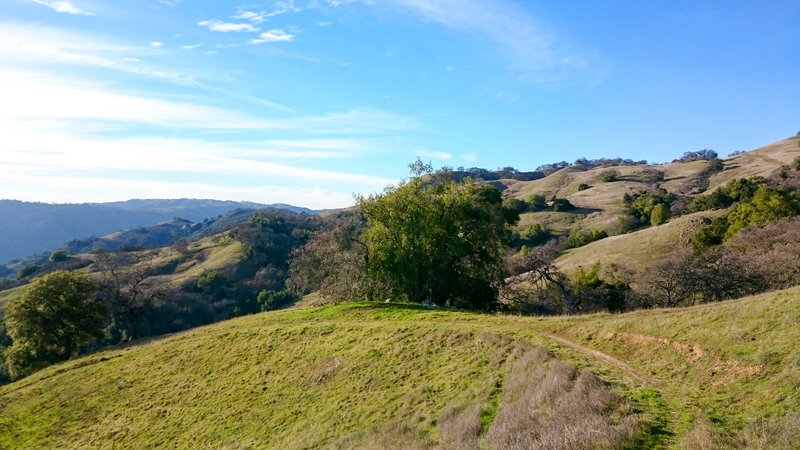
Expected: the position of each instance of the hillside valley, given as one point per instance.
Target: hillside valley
(630, 305)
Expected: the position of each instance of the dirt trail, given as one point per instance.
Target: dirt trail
(603, 356)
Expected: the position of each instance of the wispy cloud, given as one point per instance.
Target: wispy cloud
(191, 47)
(278, 8)
(45, 45)
(255, 17)
(225, 27)
(273, 36)
(531, 48)
(54, 127)
(27, 98)
(63, 6)
(156, 44)
(436, 155)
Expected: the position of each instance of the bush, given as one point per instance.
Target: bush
(610, 176)
(271, 300)
(642, 204)
(562, 204)
(515, 204)
(26, 271)
(59, 256)
(537, 202)
(579, 238)
(659, 215)
(583, 187)
(735, 191)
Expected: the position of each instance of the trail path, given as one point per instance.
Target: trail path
(602, 356)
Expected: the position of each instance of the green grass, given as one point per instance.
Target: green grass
(727, 364)
(362, 374)
(332, 375)
(9, 294)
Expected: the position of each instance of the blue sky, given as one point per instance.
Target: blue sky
(310, 101)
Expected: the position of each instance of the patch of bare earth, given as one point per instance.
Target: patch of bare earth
(724, 371)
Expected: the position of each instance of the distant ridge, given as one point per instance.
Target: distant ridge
(28, 228)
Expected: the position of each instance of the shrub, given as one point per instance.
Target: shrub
(271, 300)
(659, 215)
(735, 191)
(610, 176)
(537, 202)
(59, 256)
(642, 204)
(536, 234)
(583, 187)
(515, 204)
(562, 204)
(579, 238)
(26, 271)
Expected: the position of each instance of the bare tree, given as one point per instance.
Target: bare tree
(126, 287)
(671, 281)
(537, 283)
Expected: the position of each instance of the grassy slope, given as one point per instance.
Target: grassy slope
(336, 375)
(9, 294)
(760, 162)
(206, 255)
(355, 373)
(639, 249)
(724, 363)
(601, 203)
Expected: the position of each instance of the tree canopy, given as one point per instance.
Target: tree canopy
(50, 322)
(431, 237)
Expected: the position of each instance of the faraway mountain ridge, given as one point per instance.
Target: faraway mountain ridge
(30, 228)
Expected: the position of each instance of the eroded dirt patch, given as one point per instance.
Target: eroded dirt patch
(723, 371)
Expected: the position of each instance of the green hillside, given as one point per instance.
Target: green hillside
(376, 375)
(729, 372)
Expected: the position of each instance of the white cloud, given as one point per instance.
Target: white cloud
(273, 36)
(49, 152)
(217, 25)
(191, 47)
(283, 7)
(63, 6)
(255, 17)
(436, 155)
(156, 44)
(44, 45)
(26, 97)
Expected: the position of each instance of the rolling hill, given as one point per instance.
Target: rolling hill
(368, 375)
(375, 375)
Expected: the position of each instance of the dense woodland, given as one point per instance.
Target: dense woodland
(449, 238)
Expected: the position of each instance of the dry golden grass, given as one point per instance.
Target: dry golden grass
(639, 249)
(760, 162)
(547, 404)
